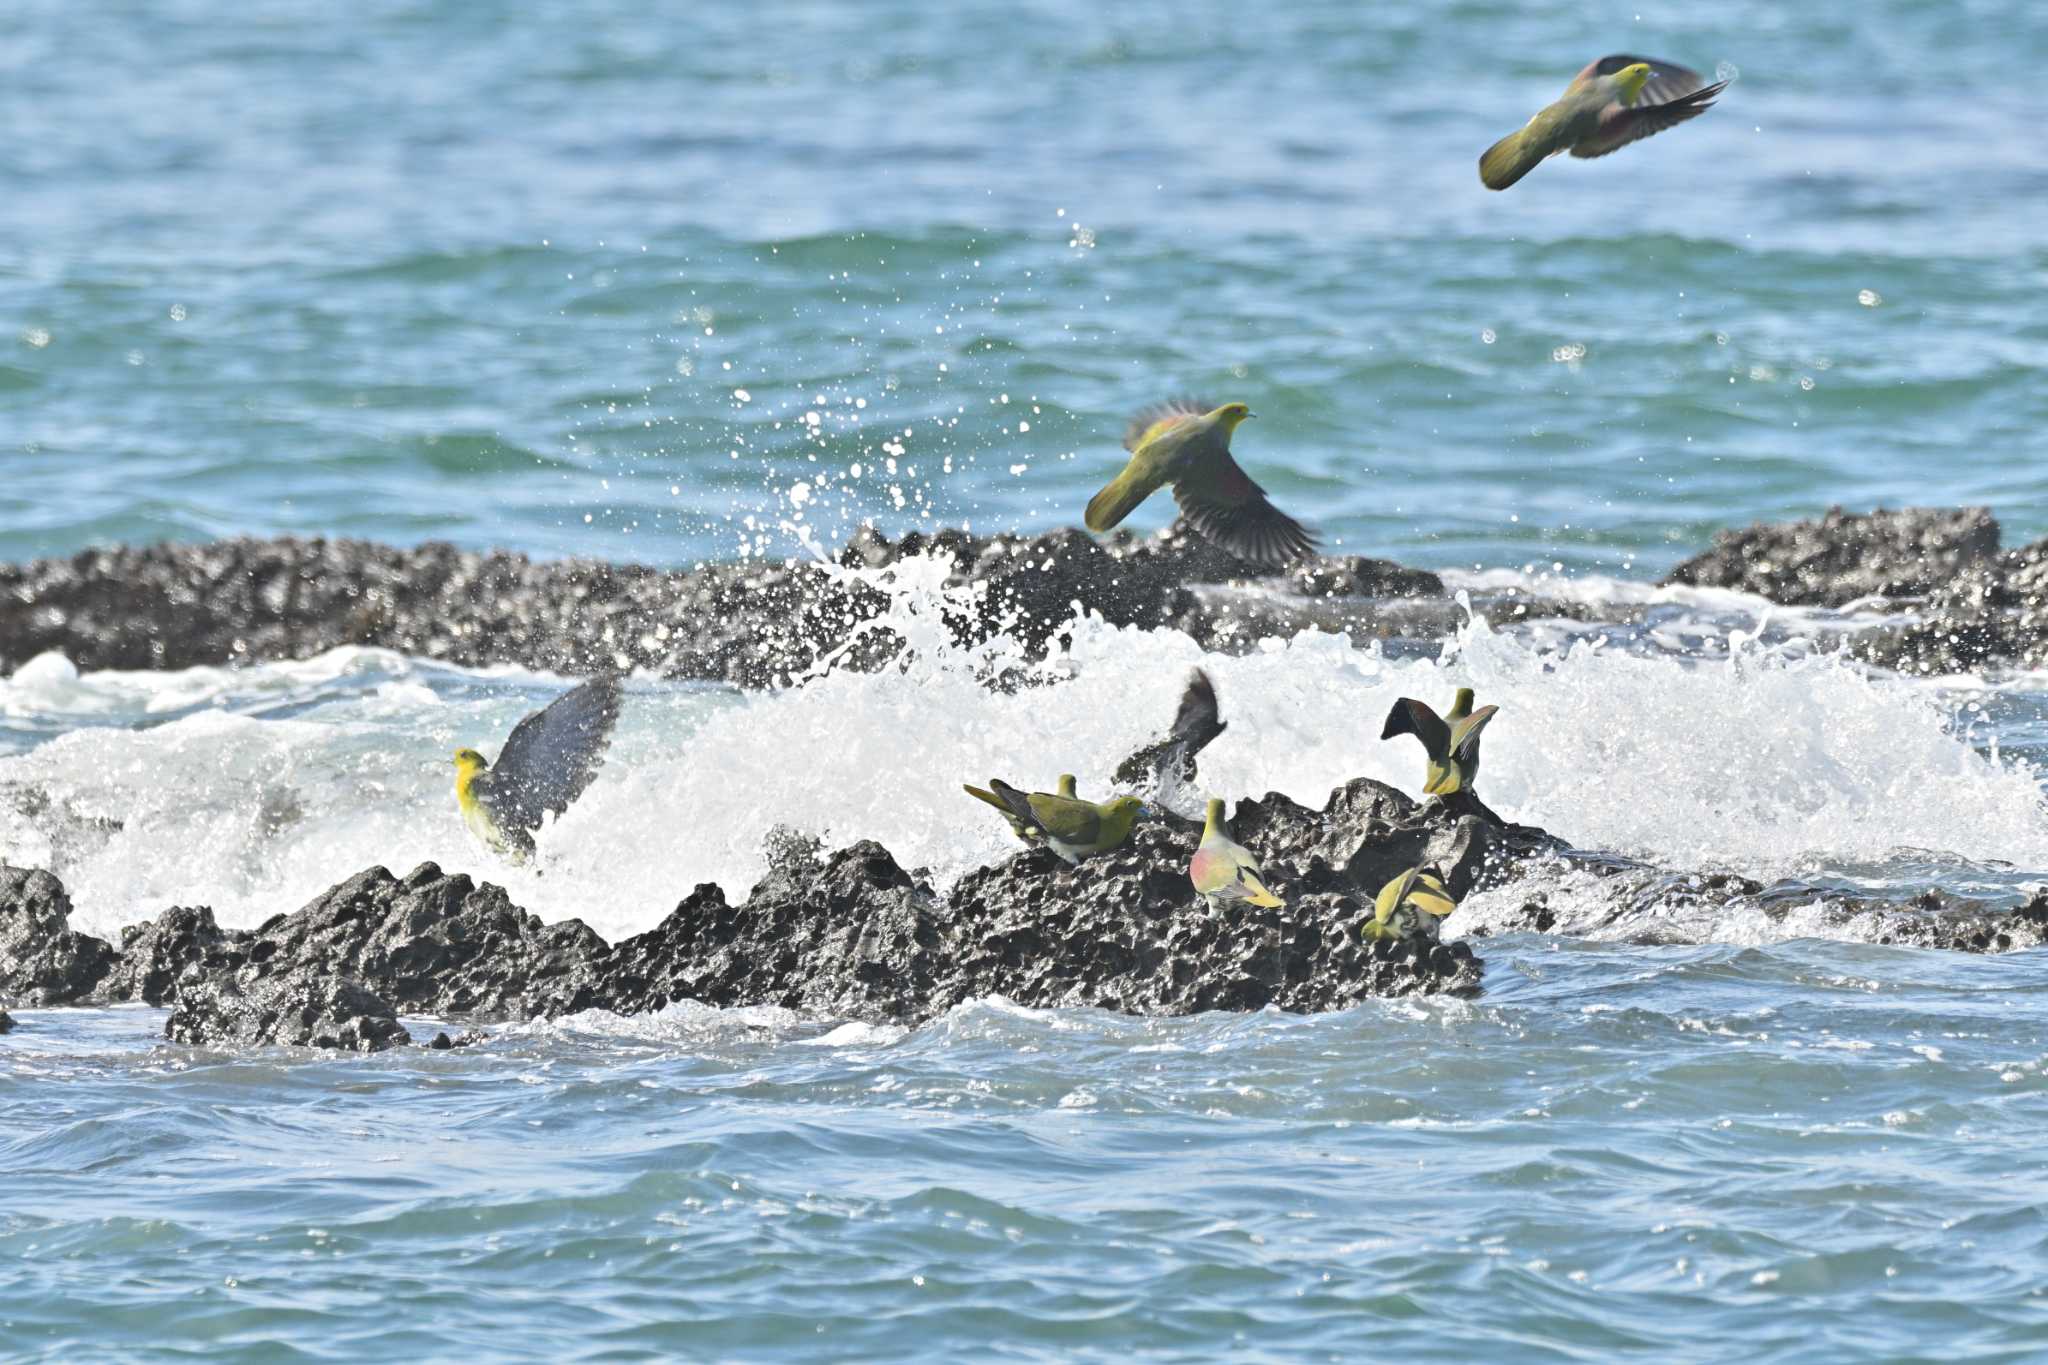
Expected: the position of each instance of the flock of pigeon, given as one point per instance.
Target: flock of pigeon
(552, 754)
(1223, 870)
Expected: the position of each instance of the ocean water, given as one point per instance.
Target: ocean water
(677, 286)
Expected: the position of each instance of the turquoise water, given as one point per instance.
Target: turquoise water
(613, 281)
(1702, 1153)
(406, 270)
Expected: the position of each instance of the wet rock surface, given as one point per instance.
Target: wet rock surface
(303, 1008)
(851, 934)
(846, 934)
(754, 625)
(1993, 613)
(231, 601)
(1846, 556)
(156, 955)
(434, 943)
(43, 960)
(856, 936)
(1126, 932)
(762, 624)
(1634, 903)
(1960, 602)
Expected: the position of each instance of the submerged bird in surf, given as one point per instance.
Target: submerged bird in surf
(1194, 725)
(1187, 444)
(1610, 104)
(1451, 740)
(1409, 906)
(1028, 833)
(1225, 870)
(1070, 827)
(546, 763)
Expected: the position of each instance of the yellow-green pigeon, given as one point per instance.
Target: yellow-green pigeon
(1451, 740)
(1398, 910)
(1028, 833)
(1225, 870)
(1613, 102)
(1187, 444)
(549, 758)
(1071, 827)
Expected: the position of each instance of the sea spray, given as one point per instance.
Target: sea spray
(252, 790)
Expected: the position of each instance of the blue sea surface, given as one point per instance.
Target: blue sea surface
(407, 269)
(684, 283)
(1806, 1152)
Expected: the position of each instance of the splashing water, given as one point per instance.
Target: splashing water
(253, 790)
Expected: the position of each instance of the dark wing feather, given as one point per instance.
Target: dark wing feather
(1018, 802)
(553, 753)
(1232, 511)
(1198, 720)
(1147, 418)
(1620, 126)
(1411, 717)
(1195, 724)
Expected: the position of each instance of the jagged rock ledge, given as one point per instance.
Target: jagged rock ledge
(847, 935)
(853, 935)
(1636, 903)
(1962, 601)
(754, 625)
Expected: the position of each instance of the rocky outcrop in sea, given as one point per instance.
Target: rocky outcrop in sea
(849, 932)
(1960, 601)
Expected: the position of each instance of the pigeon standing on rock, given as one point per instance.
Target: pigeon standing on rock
(1029, 833)
(1451, 741)
(1225, 870)
(1071, 828)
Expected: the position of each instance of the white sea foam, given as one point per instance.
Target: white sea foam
(269, 784)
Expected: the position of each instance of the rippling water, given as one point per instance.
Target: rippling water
(402, 270)
(671, 285)
(1787, 1153)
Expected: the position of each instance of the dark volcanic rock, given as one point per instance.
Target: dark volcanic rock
(173, 606)
(1126, 932)
(854, 935)
(156, 955)
(1635, 903)
(1996, 612)
(6, 1022)
(300, 1009)
(434, 943)
(467, 1038)
(1842, 557)
(43, 961)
